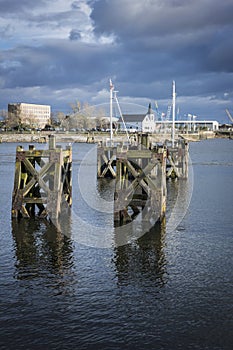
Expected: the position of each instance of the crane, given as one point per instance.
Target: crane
(168, 114)
(229, 115)
(158, 113)
(161, 116)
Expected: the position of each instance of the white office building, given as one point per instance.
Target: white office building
(36, 116)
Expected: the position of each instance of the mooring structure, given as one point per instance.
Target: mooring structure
(140, 187)
(43, 181)
(43, 178)
(140, 171)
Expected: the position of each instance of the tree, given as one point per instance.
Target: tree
(101, 122)
(3, 114)
(76, 106)
(85, 116)
(3, 118)
(60, 119)
(54, 119)
(12, 120)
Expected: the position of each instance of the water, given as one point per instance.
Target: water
(166, 290)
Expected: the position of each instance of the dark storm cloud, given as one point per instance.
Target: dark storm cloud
(54, 65)
(198, 31)
(137, 18)
(220, 53)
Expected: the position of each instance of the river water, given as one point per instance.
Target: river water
(169, 289)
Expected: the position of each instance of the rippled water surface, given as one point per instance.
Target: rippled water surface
(170, 289)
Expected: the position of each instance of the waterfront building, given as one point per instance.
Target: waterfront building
(35, 115)
(189, 125)
(138, 122)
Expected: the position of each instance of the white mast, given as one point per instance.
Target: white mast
(173, 111)
(121, 115)
(111, 91)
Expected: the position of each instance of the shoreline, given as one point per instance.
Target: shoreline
(95, 137)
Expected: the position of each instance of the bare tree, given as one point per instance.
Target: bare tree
(3, 114)
(76, 106)
(85, 116)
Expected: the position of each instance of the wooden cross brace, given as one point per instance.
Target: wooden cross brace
(108, 163)
(141, 177)
(19, 196)
(128, 197)
(172, 168)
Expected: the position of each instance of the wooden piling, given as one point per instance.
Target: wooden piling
(43, 181)
(140, 188)
(177, 159)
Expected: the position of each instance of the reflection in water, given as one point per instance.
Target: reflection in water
(179, 194)
(172, 193)
(105, 188)
(144, 259)
(42, 251)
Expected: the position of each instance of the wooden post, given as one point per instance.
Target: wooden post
(42, 181)
(52, 142)
(185, 159)
(144, 140)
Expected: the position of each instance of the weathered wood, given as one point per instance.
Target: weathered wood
(90, 138)
(177, 159)
(106, 159)
(140, 172)
(42, 180)
(140, 189)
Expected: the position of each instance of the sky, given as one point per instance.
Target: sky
(58, 52)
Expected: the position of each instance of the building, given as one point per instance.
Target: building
(190, 125)
(37, 116)
(138, 122)
(150, 123)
